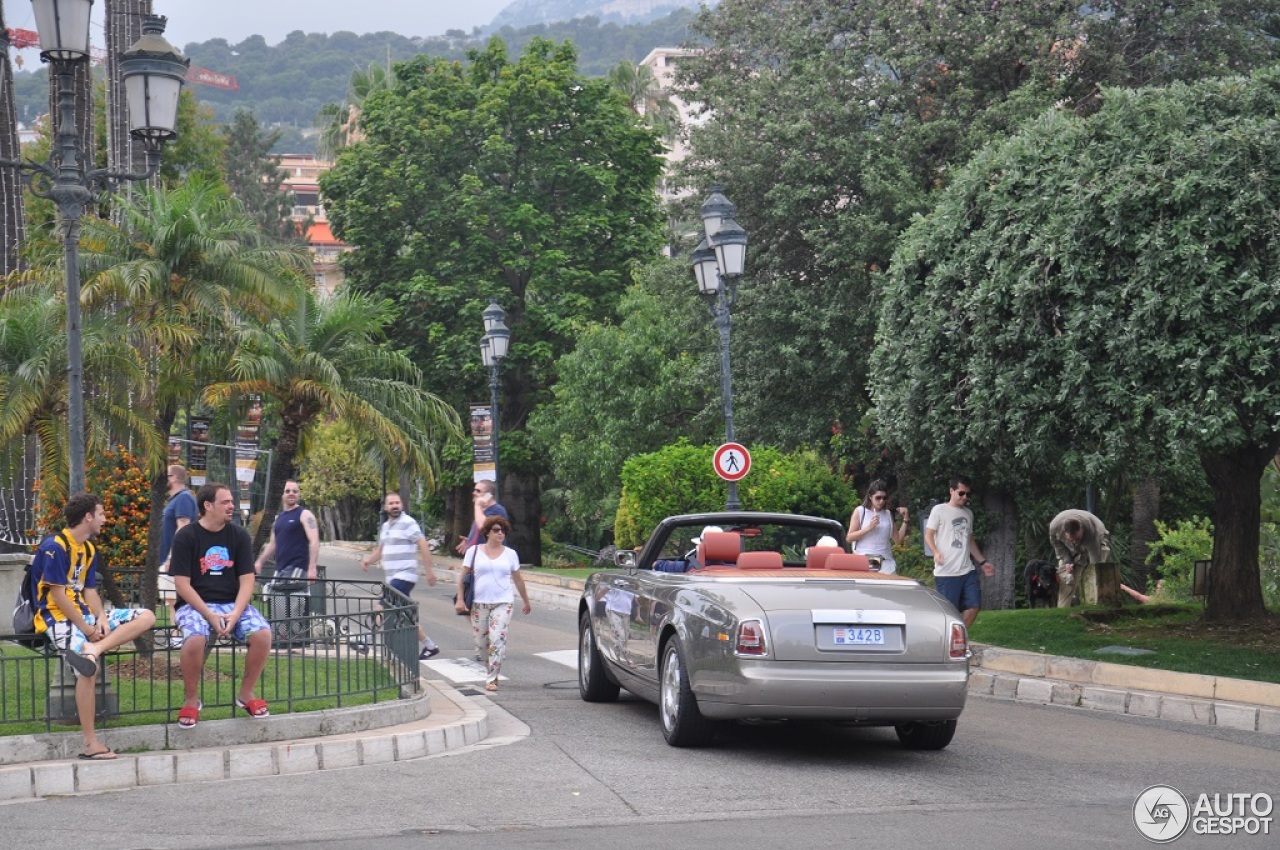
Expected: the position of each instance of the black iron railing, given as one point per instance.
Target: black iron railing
(335, 644)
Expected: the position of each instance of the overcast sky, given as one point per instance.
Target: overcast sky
(236, 20)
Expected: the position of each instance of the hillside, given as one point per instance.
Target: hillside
(523, 13)
(286, 84)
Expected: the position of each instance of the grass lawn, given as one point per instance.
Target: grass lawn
(1180, 640)
(148, 686)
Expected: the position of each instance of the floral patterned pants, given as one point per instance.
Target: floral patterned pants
(489, 624)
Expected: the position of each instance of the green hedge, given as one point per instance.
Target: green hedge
(679, 479)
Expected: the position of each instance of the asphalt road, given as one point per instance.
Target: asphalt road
(556, 772)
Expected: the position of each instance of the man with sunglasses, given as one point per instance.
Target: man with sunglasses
(949, 536)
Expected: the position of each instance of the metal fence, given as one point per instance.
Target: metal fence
(335, 643)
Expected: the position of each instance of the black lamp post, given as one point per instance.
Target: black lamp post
(153, 72)
(493, 349)
(717, 263)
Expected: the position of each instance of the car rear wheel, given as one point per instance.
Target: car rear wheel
(593, 683)
(926, 734)
(682, 723)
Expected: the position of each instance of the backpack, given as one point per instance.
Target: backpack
(25, 607)
(24, 613)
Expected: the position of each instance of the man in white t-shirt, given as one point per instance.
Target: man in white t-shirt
(949, 536)
(400, 542)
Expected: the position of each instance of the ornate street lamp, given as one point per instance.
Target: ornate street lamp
(493, 350)
(717, 263)
(153, 72)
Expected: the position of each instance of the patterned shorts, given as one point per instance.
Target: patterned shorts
(193, 623)
(65, 635)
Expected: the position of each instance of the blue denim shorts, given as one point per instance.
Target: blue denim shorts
(964, 592)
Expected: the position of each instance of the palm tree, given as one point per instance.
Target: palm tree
(340, 122)
(33, 386)
(186, 266)
(646, 97)
(329, 358)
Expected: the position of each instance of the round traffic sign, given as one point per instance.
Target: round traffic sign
(732, 461)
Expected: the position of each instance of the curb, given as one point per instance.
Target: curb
(1121, 689)
(453, 722)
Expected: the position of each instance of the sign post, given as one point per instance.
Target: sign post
(732, 462)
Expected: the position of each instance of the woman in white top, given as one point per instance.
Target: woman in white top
(497, 576)
(871, 528)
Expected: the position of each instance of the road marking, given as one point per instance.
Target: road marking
(567, 657)
(459, 670)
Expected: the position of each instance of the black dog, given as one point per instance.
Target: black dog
(1042, 583)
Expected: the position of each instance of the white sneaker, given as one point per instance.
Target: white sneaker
(176, 641)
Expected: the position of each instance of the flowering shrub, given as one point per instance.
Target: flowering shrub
(120, 478)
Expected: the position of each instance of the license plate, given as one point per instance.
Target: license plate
(857, 636)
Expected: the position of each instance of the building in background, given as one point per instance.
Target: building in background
(302, 177)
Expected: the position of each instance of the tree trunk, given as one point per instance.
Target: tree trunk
(155, 521)
(522, 497)
(281, 471)
(1146, 510)
(1000, 547)
(1235, 582)
(122, 27)
(13, 225)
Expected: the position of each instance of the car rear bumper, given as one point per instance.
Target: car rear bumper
(870, 692)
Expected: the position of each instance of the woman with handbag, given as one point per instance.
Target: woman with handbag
(495, 572)
(871, 528)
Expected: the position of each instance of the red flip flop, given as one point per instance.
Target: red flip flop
(188, 716)
(257, 708)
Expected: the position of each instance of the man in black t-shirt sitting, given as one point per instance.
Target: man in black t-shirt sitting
(212, 569)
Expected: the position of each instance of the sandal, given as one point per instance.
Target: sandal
(257, 708)
(85, 665)
(189, 716)
(101, 755)
(492, 686)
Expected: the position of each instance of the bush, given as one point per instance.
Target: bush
(679, 479)
(120, 478)
(1174, 554)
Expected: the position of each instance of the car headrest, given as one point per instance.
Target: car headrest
(848, 561)
(816, 557)
(721, 547)
(760, 561)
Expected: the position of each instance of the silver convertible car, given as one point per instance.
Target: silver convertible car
(725, 616)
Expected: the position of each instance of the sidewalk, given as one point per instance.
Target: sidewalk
(450, 721)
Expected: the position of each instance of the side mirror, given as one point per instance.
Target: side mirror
(625, 558)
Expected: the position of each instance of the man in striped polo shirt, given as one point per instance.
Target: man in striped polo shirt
(400, 541)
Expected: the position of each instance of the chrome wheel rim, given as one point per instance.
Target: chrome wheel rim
(670, 688)
(584, 657)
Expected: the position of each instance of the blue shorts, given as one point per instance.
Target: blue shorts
(964, 592)
(65, 634)
(193, 623)
(405, 587)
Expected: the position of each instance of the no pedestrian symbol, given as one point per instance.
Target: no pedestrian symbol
(732, 461)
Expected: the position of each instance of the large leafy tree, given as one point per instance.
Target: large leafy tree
(635, 385)
(184, 267)
(1094, 293)
(516, 181)
(832, 123)
(330, 358)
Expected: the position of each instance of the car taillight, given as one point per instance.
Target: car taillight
(751, 638)
(959, 641)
